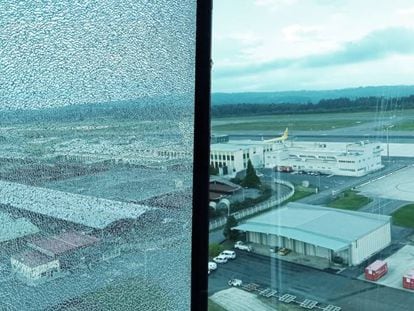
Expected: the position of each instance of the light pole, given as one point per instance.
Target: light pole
(388, 141)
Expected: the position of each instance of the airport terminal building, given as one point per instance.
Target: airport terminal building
(320, 231)
(354, 159)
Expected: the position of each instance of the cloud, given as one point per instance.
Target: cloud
(244, 38)
(406, 11)
(296, 32)
(274, 4)
(376, 45)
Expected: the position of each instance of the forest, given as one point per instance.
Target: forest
(361, 104)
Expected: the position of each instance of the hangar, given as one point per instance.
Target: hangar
(78, 209)
(321, 231)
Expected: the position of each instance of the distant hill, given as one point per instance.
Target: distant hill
(301, 97)
(153, 108)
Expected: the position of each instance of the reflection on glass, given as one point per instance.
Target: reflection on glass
(96, 128)
(311, 201)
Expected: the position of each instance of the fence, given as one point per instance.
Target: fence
(217, 223)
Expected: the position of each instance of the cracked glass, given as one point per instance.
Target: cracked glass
(96, 137)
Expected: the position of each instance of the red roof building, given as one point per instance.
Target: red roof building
(63, 243)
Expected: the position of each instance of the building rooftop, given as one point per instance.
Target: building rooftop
(376, 265)
(63, 243)
(80, 209)
(214, 196)
(322, 226)
(227, 147)
(32, 258)
(11, 229)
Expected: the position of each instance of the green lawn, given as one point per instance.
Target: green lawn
(403, 126)
(350, 200)
(404, 216)
(320, 121)
(300, 193)
(282, 123)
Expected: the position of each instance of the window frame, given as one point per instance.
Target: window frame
(201, 157)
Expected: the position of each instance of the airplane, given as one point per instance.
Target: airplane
(281, 138)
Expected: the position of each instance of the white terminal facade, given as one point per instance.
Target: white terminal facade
(354, 159)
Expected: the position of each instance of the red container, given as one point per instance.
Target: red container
(376, 270)
(408, 280)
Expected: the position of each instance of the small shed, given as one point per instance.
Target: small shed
(34, 267)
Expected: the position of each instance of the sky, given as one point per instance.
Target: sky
(56, 53)
(280, 45)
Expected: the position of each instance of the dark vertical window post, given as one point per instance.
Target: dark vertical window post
(200, 228)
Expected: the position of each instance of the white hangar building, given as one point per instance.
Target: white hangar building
(321, 231)
(232, 157)
(355, 159)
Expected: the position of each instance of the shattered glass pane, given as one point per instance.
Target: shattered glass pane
(96, 137)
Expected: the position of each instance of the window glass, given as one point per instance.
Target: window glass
(315, 99)
(97, 101)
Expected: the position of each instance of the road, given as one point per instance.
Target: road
(306, 282)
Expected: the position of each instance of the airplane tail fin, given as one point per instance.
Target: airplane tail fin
(285, 134)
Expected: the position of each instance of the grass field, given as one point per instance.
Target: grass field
(350, 200)
(404, 216)
(279, 124)
(300, 193)
(322, 121)
(403, 126)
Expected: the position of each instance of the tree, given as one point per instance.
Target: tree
(212, 170)
(227, 232)
(251, 180)
(214, 249)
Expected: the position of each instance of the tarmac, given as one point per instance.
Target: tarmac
(398, 185)
(398, 264)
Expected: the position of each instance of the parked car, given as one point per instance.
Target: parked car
(283, 251)
(212, 266)
(235, 282)
(244, 247)
(220, 259)
(228, 254)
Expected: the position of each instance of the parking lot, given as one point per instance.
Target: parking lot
(308, 283)
(398, 264)
(323, 182)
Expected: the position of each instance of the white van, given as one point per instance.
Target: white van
(228, 254)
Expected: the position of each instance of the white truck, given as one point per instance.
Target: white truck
(244, 247)
(235, 282)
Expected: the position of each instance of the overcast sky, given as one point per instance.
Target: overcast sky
(277, 45)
